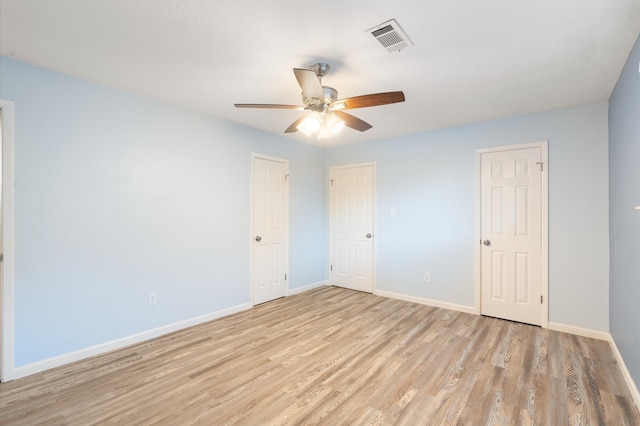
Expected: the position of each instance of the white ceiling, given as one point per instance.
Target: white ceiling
(472, 60)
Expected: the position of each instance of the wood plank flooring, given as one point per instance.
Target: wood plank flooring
(337, 357)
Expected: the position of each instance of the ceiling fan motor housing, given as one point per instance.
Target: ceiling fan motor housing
(321, 105)
(330, 94)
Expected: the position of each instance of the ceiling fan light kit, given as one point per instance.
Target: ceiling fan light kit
(326, 115)
(321, 125)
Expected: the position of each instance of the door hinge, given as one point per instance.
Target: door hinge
(286, 178)
(331, 267)
(331, 182)
(541, 165)
(541, 299)
(285, 277)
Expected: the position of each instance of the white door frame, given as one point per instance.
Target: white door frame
(253, 233)
(7, 345)
(374, 225)
(544, 261)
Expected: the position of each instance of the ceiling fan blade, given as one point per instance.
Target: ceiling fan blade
(294, 126)
(309, 83)
(353, 122)
(374, 99)
(276, 106)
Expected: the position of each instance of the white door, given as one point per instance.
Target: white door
(351, 226)
(512, 235)
(270, 228)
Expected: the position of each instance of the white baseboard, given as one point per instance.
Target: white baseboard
(308, 287)
(37, 367)
(625, 372)
(428, 302)
(578, 331)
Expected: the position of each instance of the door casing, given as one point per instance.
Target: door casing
(544, 261)
(7, 289)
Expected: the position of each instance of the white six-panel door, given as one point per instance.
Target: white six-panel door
(270, 228)
(511, 268)
(351, 226)
(511, 228)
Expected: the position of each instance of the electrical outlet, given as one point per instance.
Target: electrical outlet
(427, 277)
(153, 299)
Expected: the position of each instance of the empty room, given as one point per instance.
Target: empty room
(320, 212)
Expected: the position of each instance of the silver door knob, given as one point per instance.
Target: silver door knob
(368, 235)
(486, 242)
(258, 238)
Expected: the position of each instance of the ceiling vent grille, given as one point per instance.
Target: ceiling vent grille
(391, 36)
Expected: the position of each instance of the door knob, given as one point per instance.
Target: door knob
(486, 242)
(258, 238)
(368, 235)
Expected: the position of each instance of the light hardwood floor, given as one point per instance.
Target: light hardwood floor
(335, 356)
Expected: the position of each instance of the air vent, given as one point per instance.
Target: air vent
(391, 36)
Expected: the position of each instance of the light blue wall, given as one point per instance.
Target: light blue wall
(118, 195)
(429, 179)
(624, 228)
